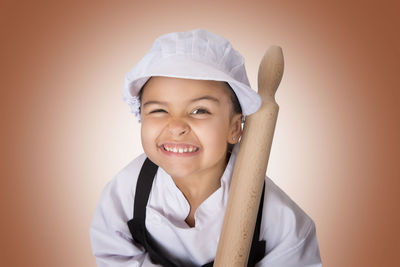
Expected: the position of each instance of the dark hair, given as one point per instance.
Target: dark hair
(236, 108)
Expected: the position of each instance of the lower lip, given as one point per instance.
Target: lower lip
(184, 154)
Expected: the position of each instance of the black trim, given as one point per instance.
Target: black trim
(137, 225)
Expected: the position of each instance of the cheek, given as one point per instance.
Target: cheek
(214, 135)
(148, 136)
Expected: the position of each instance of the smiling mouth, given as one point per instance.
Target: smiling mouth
(179, 149)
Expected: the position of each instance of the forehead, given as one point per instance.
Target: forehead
(170, 88)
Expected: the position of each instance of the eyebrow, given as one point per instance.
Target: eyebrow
(155, 103)
(207, 97)
(163, 103)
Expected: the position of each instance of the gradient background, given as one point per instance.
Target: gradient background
(65, 130)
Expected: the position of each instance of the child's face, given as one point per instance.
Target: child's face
(187, 125)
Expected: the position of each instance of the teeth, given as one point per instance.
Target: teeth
(180, 150)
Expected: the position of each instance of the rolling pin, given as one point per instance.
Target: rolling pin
(250, 167)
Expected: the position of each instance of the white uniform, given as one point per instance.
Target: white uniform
(289, 233)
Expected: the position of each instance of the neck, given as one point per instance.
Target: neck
(198, 187)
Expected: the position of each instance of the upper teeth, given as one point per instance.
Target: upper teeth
(180, 149)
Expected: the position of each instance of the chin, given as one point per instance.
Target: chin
(177, 171)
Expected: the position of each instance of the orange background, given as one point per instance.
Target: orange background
(65, 130)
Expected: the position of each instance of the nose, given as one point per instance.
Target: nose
(178, 127)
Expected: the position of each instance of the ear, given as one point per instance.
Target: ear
(235, 131)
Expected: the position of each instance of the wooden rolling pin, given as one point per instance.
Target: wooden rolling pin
(250, 167)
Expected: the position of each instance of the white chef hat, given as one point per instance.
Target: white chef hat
(196, 54)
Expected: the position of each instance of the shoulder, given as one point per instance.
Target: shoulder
(118, 194)
(289, 232)
(131, 170)
(283, 219)
(126, 178)
(110, 236)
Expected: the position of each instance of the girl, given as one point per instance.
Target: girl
(166, 208)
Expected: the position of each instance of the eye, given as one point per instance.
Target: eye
(158, 111)
(200, 111)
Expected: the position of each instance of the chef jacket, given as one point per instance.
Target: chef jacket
(289, 233)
